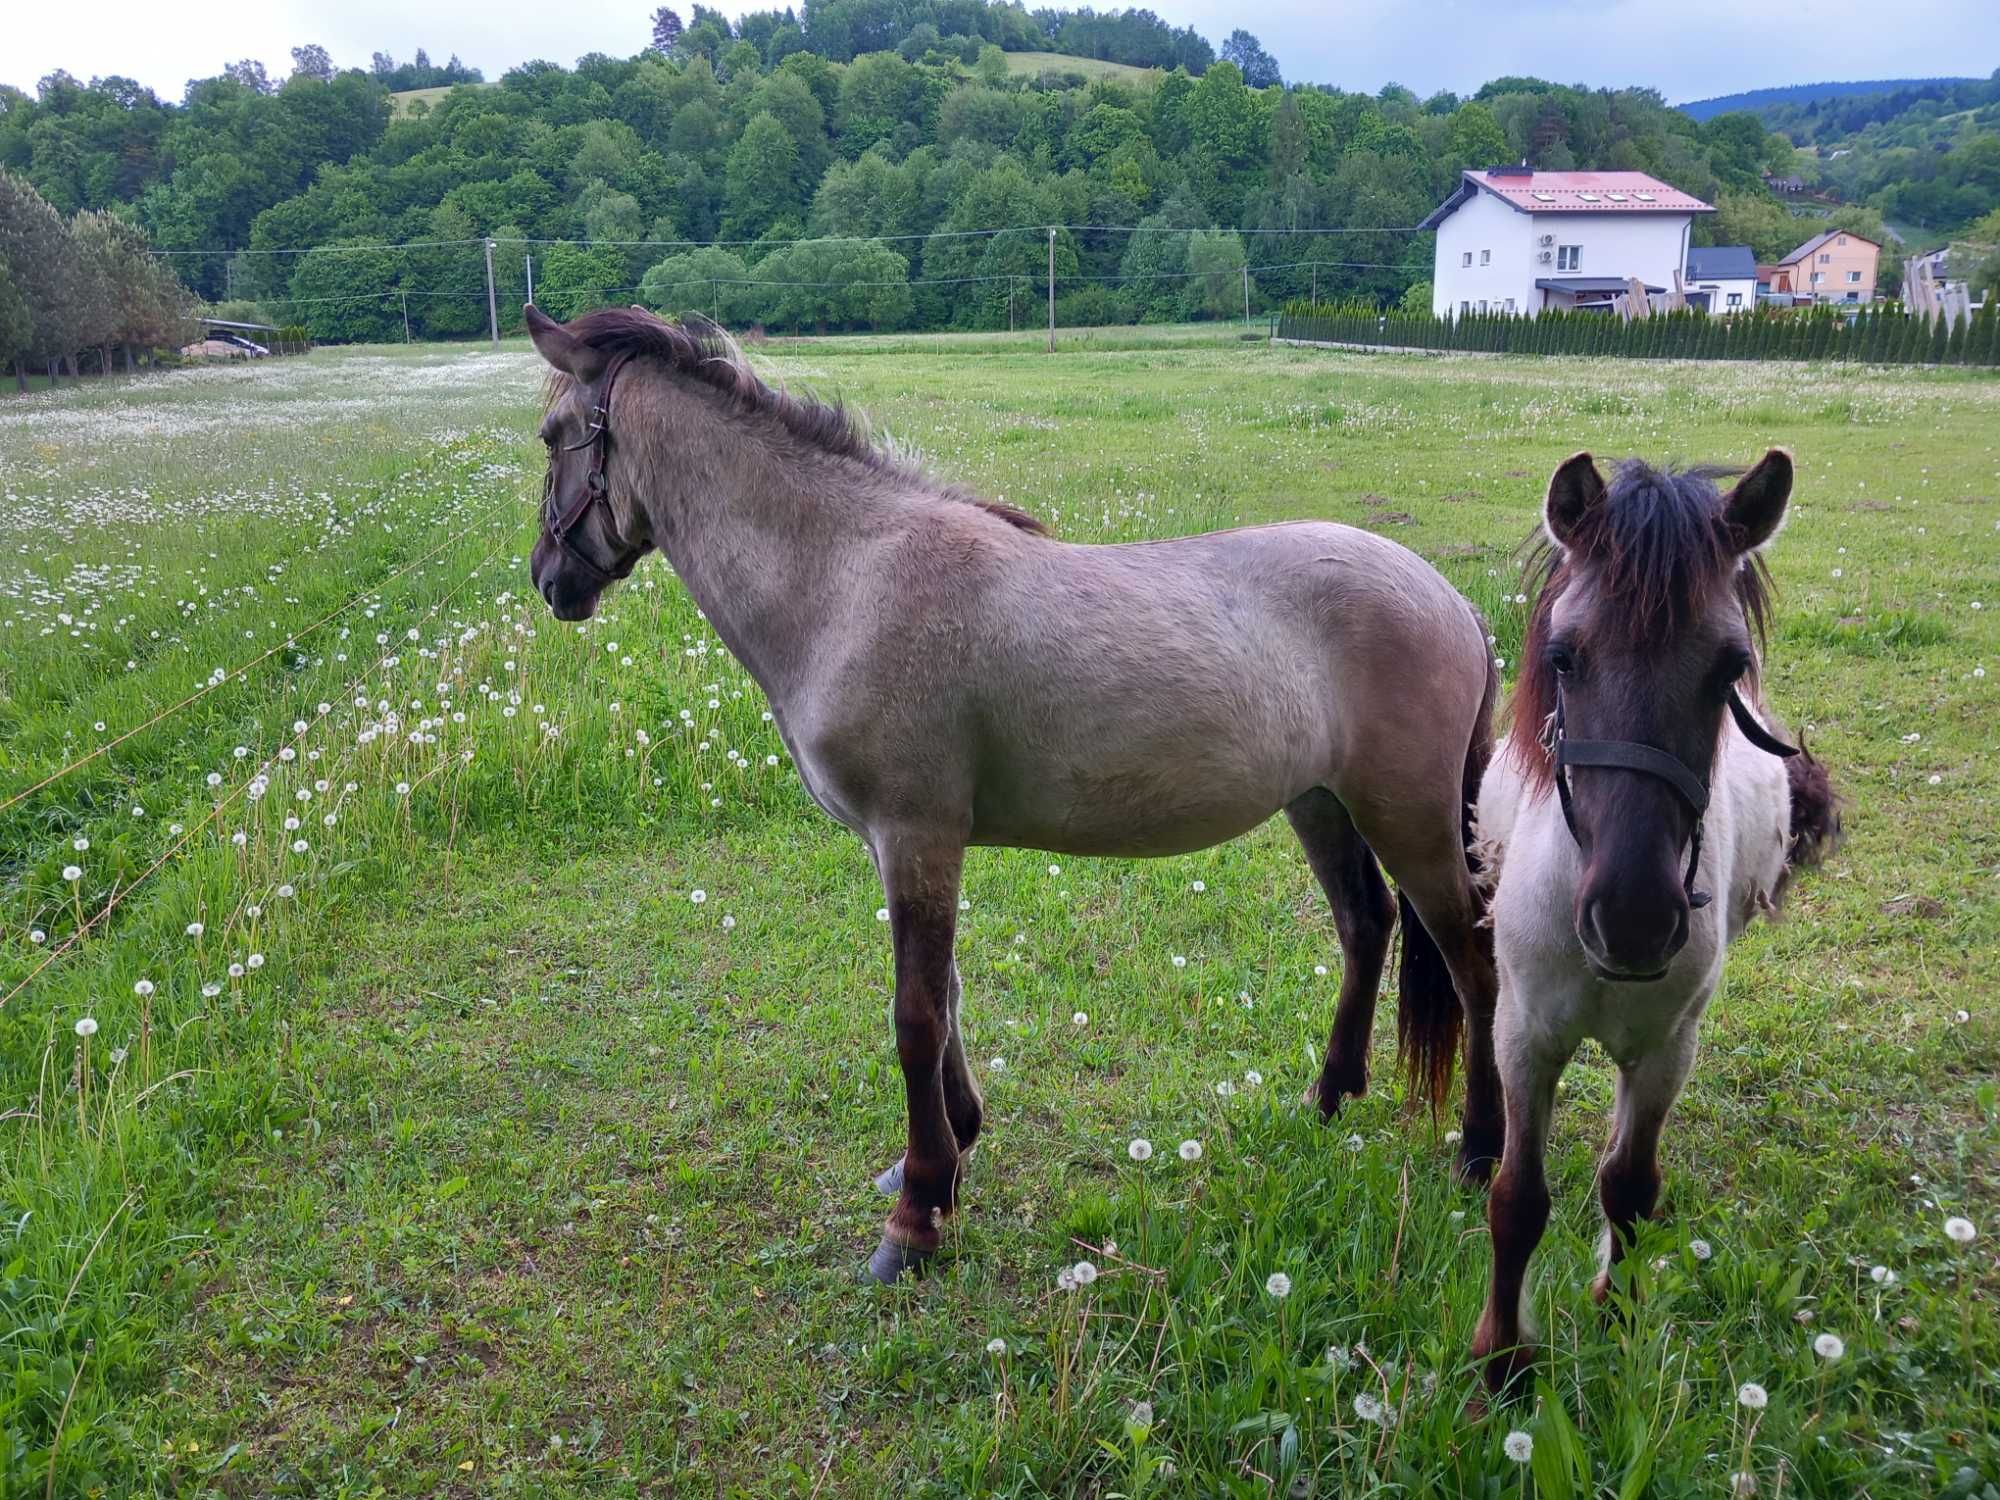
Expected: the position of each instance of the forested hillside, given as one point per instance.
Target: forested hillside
(851, 160)
(1758, 100)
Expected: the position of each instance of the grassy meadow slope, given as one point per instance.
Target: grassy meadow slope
(531, 1153)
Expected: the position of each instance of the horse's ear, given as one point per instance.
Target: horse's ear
(1755, 509)
(1575, 490)
(561, 348)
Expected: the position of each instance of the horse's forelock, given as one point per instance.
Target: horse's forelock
(1659, 544)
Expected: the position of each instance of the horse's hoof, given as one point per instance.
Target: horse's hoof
(1506, 1373)
(1476, 1162)
(889, 1181)
(1328, 1097)
(891, 1261)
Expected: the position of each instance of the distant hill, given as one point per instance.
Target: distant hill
(1805, 93)
(401, 100)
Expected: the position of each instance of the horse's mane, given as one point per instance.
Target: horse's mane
(1661, 545)
(704, 351)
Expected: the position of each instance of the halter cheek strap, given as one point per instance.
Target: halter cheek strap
(596, 488)
(1629, 755)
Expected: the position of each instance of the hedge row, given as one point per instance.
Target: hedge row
(1871, 335)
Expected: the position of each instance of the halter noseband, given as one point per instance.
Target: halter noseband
(596, 489)
(1629, 755)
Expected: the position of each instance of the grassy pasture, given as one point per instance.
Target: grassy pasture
(464, 1150)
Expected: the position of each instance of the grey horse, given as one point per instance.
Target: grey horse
(946, 674)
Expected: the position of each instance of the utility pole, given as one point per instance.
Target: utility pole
(1315, 281)
(529, 261)
(406, 317)
(492, 301)
(1052, 289)
(1246, 296)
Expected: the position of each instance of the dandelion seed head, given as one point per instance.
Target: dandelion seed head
(87, 1027)
(1278, 1285)
(1140, 1149)
(1752, 1396)
(1190, 1151)
(1960, 1231)
(1519, 1446)
(1829, 1347)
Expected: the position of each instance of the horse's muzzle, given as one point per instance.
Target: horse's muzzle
(1632, 942)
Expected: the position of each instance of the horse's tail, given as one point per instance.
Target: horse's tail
(1815, 811)
(1429, 1014)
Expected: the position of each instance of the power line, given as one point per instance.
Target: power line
(824, 239)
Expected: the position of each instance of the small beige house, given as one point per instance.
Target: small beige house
(1838, 266)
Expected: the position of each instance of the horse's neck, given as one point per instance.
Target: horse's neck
(767, 548)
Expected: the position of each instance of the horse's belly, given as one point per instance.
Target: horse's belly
(1138, 812)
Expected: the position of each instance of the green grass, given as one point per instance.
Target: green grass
(404, 100)
(512, 1169)
(1059, 63)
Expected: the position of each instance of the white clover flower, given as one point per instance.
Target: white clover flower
(143, 989)
(1829, 1347)
(87, 1027)
(1140, 1150)
(1278, 1285)
(1752, 1396)
(1190, 1151)
(1519, 1446)
(72, 873)
(1959, 1230)
(1083, 1272)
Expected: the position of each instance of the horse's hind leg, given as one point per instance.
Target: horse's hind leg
(1424, 853)
(1365, 917)
(1628, 1183)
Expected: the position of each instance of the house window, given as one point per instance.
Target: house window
(1482, 304)
(1825, 259)
(1817, 278)
(1853, 277)
(1854, 296)
(1735, 299)
(1842, 240)
(1510, 307)
(1465, 308)
(1569, 257)
(1465, 259)
(1486, 257)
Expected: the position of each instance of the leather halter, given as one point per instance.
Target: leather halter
(1629, 755)
(596, 488)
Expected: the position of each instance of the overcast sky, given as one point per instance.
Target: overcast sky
(1687, 49)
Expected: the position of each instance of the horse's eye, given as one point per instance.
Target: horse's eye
(1562, 660)
(1732, 666)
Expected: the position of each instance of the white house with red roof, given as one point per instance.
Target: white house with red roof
(1515, 240)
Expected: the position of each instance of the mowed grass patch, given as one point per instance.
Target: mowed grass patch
(516, 1168)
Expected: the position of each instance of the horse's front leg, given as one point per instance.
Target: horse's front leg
(920, 878)
(1628, 1183)
(1517, 1209)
